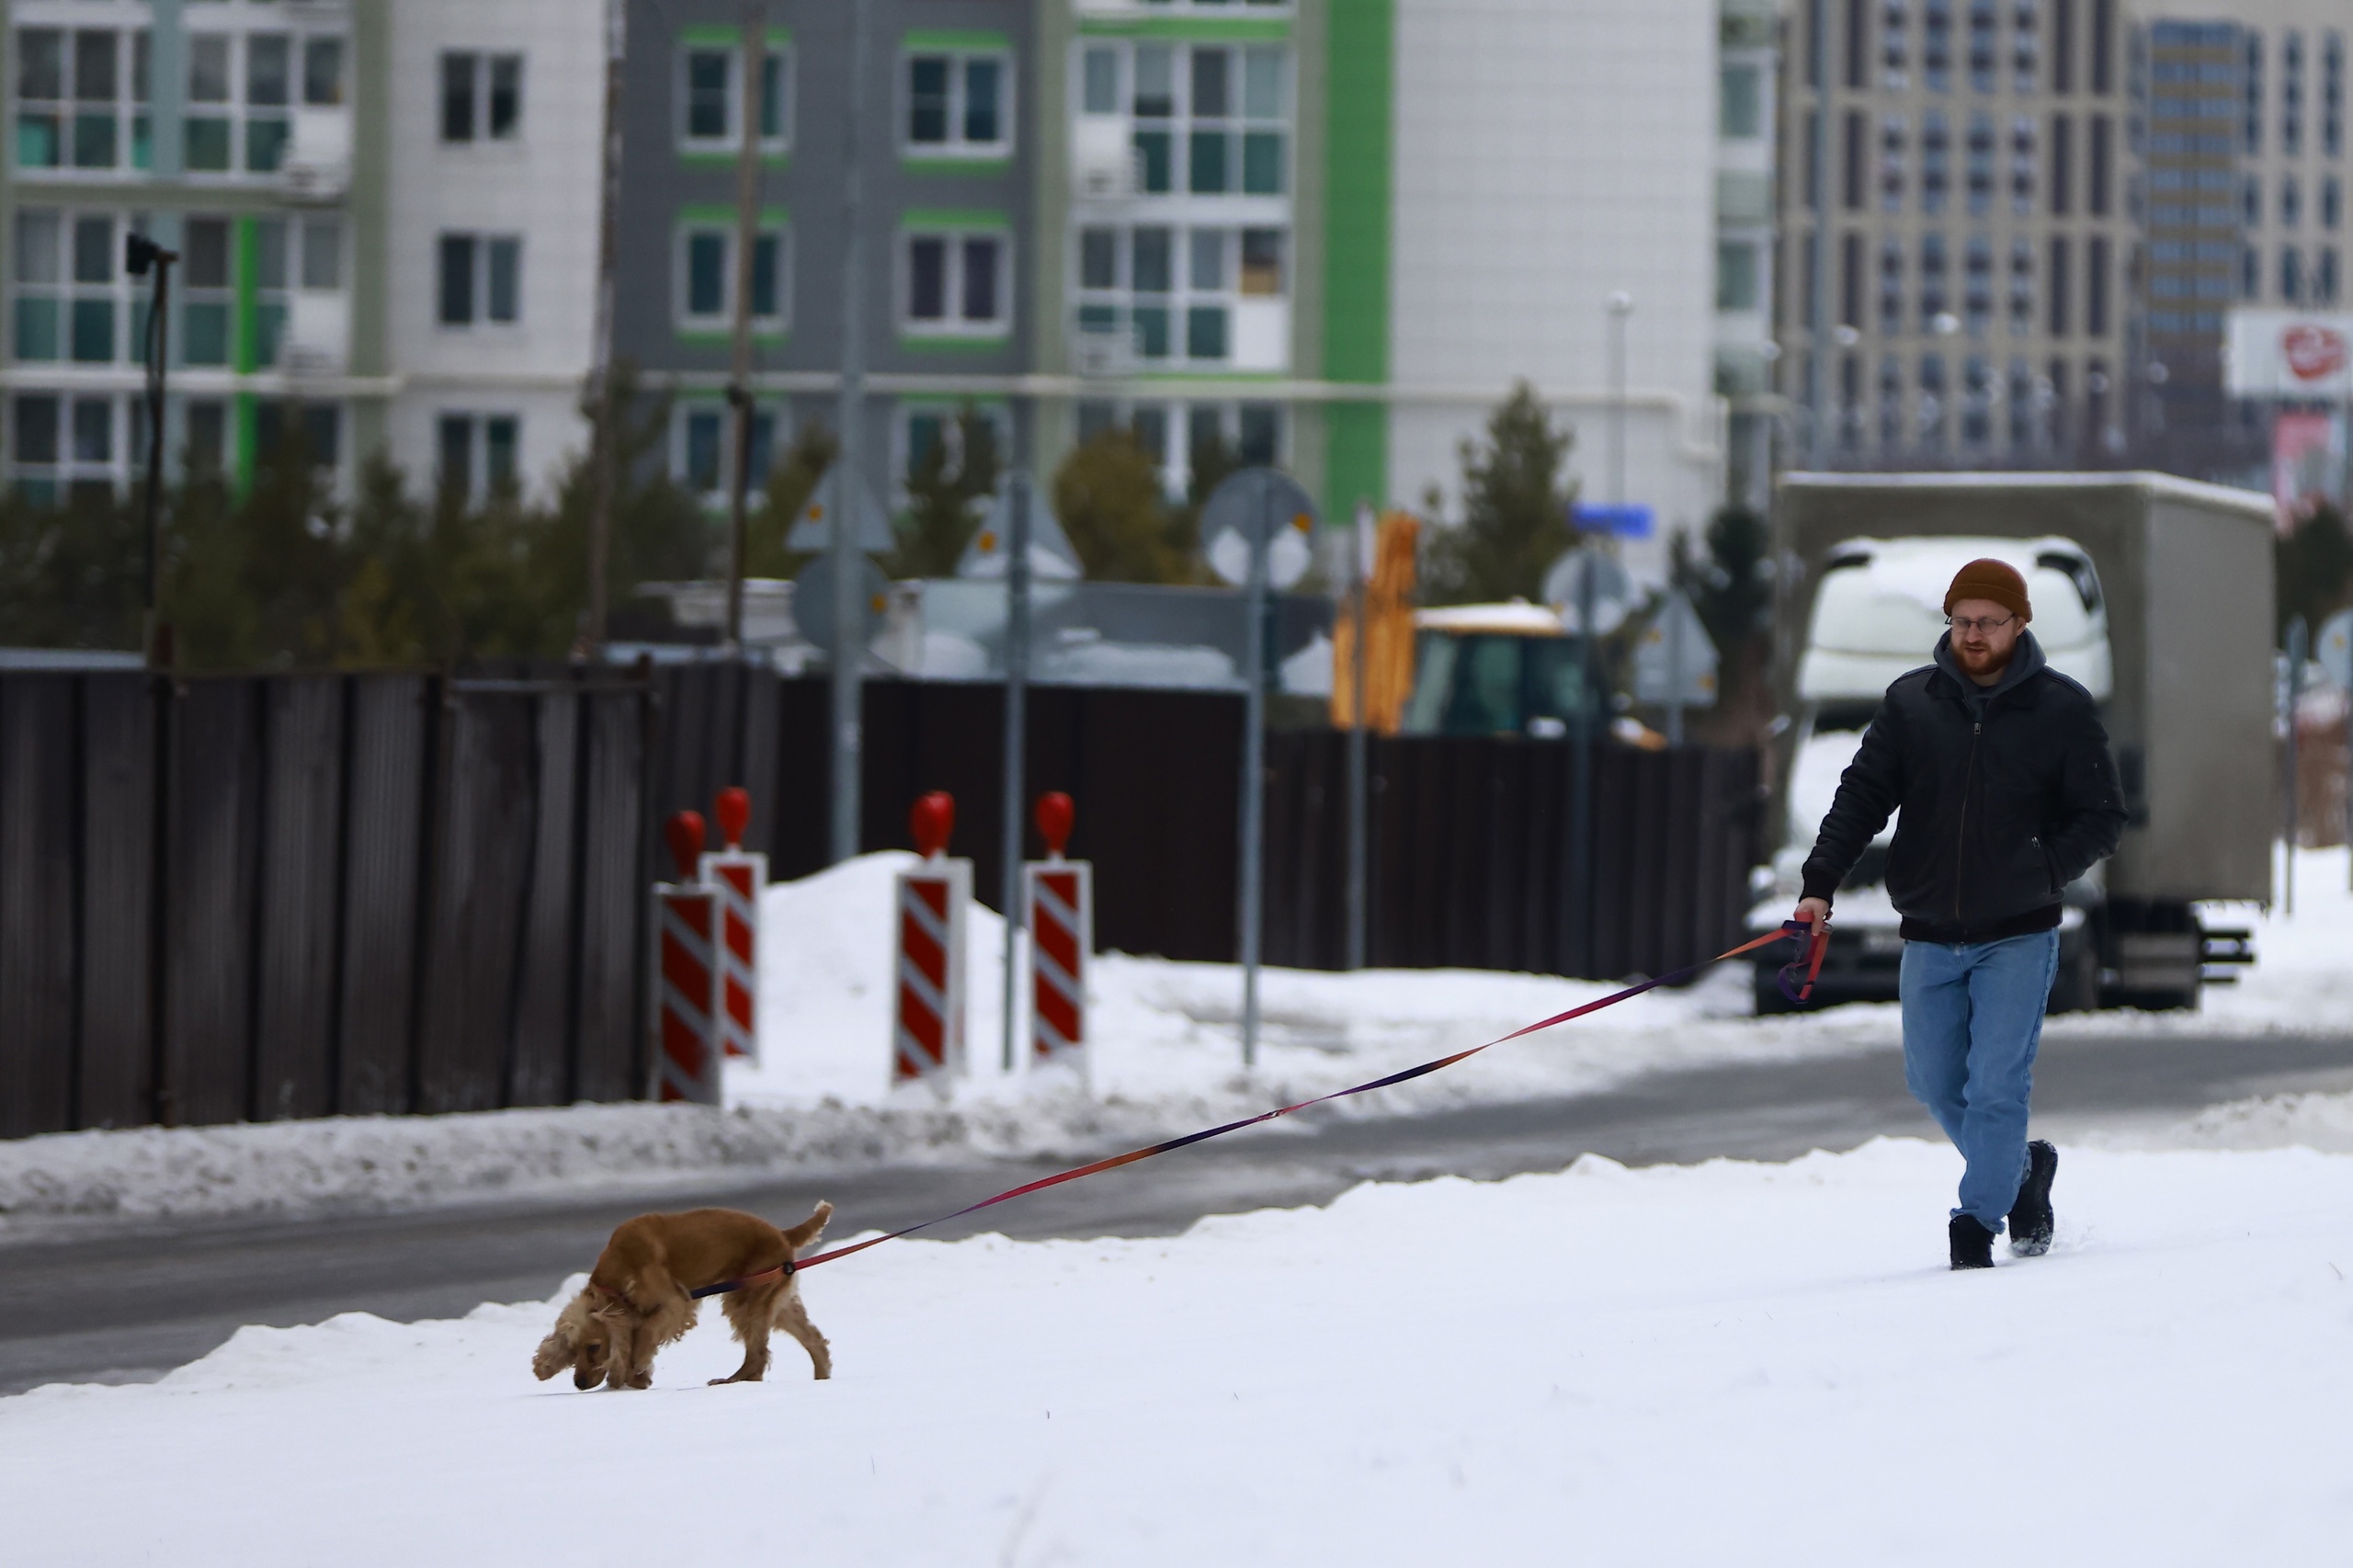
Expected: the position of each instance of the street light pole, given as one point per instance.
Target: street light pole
(139, 254)
(1621, 305)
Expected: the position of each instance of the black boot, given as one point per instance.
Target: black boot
(2031, 1220)
(1973, 1243)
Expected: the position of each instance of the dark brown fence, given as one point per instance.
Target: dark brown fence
(1469, 862)
(256, 897)
(246, 898)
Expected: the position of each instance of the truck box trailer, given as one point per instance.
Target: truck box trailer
(2154, 592)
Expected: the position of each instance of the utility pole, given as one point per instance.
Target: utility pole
(848, 582)
(1254, 761)
(1017, 725)
(754, 106)
(606, 438)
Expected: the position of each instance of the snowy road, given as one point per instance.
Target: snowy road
(129, 1306)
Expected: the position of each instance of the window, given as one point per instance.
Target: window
(955, 285)
(1981, 163)
(81, 98)
(2324, 279)
(1984, 49)
(710, 89)
(705, 262)
(1894, 50)
(1933, 275)
(71, 302)
(703, 437)
(2021, 286)
(206, 298)
(1209, 119)
(2332, 95)
(476, 453)
(1892, 139)
(2022, 165)
(2062, 165)
(320, 425)
(241, 94)
(481, 96)
(1890, 286)
(60, 444)
(2292, 93)
(957, 104)
(1936, 44)
(1169, 295)
(2055, 278)
(2291, 275)
(2096, 280)
(481, 280)
(1740, 104)
(1935, 161)
(2099, 157)
(2026, 47)
(2332, 201)
(1736, 275)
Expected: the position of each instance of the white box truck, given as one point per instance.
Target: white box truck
(2154, 593)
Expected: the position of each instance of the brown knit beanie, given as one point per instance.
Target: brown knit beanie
(1990, 579)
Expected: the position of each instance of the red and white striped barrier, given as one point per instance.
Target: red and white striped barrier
(1059, 907)
(687, 1065)
(738, 875)
(928, 1028)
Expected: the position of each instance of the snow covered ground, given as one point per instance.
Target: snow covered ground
(1168, 1059)
(1721, 1364)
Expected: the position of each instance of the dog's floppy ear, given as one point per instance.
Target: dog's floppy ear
(555, 1353)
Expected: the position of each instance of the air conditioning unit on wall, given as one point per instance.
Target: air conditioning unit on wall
(1102, 158)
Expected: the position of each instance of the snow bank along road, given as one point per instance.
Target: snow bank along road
(1725, 1363)
(133, 1305)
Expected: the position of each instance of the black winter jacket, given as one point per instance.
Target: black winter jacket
(2001, 811)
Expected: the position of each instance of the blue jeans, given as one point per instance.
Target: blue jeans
(1972, 1018)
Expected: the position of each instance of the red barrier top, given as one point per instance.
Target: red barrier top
(931, 821)
(734, 810)
(684, 834)
(1055, 816)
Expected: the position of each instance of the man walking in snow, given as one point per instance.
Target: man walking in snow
(2003, 774)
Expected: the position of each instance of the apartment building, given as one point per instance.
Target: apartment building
(2246, 171)
(325, 181)
(1958, 220)
(1325, 235)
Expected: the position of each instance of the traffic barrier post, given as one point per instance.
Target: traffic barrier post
(928, 1024)
(737, 876)
(1058, 905)
(687, 915)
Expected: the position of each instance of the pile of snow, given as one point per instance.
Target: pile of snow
(1165, 1059)
(1727, 1363)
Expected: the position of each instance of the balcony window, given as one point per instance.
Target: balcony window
(1208, 119)
(81, 98)
(1173, 296)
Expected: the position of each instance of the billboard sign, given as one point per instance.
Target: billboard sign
(2290, 354)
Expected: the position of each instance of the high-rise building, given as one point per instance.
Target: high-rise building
(1957, 220)
(384, 215)
(2246, 169)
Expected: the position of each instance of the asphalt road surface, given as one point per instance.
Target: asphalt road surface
(120, 1305)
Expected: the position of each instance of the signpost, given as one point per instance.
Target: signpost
(1260, 521)
(1015, 506)
(1675, 664)
(2333, 648)
(1591, 592)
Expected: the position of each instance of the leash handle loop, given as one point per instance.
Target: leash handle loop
(1813, 944)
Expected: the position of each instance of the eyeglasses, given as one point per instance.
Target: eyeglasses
(1966, 624)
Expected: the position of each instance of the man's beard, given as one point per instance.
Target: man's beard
(1985, 664)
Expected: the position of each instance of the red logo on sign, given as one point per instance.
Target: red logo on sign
(2312, 351)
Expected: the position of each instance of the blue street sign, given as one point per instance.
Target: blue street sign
(1627, 521)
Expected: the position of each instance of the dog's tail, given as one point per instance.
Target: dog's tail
(809, 1230)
